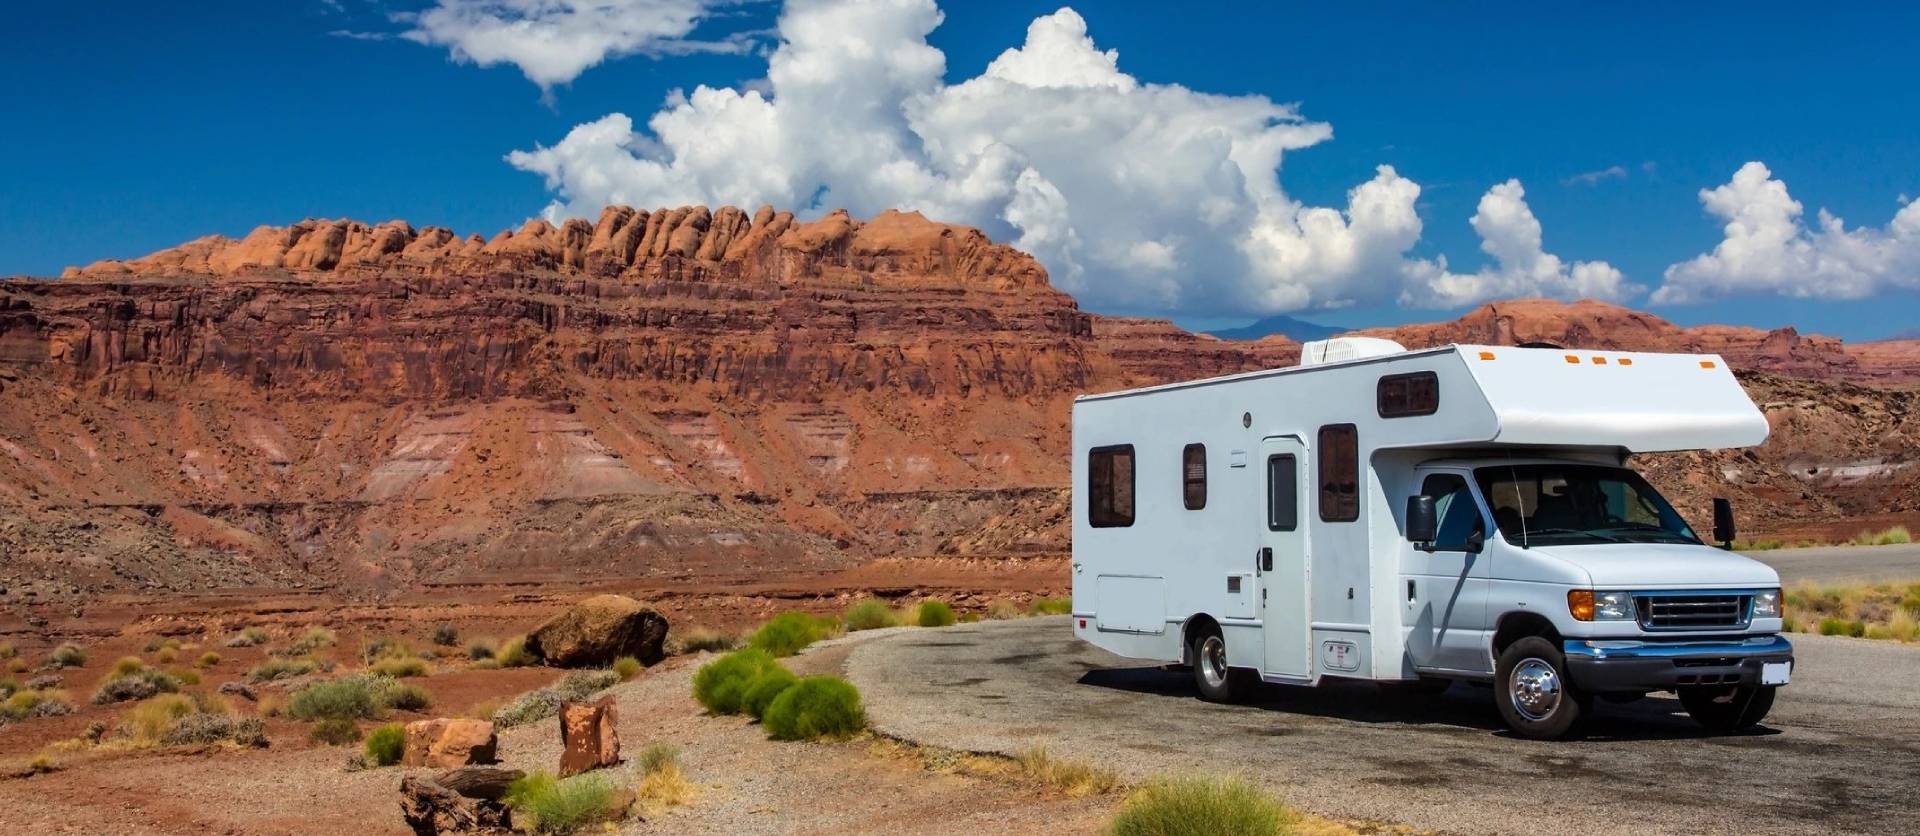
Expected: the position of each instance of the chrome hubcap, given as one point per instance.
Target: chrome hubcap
(1213, 660)
(1535, 688)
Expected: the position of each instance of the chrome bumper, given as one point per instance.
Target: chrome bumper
(1602, 665)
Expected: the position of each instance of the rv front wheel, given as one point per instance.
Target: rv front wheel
(1217, 682)
(1534, 694)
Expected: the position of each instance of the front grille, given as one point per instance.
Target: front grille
(1692, 612)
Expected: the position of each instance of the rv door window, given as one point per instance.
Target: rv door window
(1408, 395)
(1454, 507)
(1193, 476)
(1110, 486)
(1283, 494)
(1339, 473)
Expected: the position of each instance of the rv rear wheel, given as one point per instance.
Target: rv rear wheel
(1728, 707)
(1533, 692)
(1217, 682)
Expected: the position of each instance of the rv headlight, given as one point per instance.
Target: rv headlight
(1766, 603)
(1587, 605)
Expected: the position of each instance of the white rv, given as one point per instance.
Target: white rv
(1419, 517)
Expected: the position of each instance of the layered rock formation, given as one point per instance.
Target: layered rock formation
(678, 392)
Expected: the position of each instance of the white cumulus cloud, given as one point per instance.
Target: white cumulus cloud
(1768, 248)
(554, 41)
(1135, 195)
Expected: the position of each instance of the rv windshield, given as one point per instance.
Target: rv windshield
(1575, 504)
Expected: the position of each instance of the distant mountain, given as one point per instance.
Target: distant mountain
(1295, 329)
(1909, 334)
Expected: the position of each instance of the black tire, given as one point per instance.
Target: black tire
(1536, 697)
(1216, 681)
(1727, 708)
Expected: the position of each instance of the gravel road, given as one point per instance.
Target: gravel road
(1844, 564)
(1839, 754)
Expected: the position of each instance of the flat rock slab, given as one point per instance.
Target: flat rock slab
(1838, 754)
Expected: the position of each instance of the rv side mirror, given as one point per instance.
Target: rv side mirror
(1723, 521)
(1421, 520)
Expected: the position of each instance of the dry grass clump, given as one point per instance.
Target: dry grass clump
(356, 697)
(275, 669)
(400, 667)
(446, 635)
(1201, 806)
(207, 660)
(1887, 611)
(627, 667)
(8, 651)
(68, 655)
(537, 705)
(1894, 536)
(28, 704)
(1070, 778)
(662, 784)
(334, 731)
(1002, 610)
(514, 654)
(184, 720)
(250, 637)
(1051, 606)
(699, 639)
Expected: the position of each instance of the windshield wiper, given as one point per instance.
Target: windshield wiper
(1642, 528)
(1589, 532)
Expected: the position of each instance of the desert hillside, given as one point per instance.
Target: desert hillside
(677, 393)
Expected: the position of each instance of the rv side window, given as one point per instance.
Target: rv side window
(1339, 473)
(1408, 395)
(1110, 486)
(1455, 510)
(1283, 494)
(1193, 476)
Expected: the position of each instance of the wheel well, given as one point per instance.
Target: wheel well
(1519, 625)
(1197, 626)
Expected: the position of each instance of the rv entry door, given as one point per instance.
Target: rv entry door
(1282, 561)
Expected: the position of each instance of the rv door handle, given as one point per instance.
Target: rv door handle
(1266, 559)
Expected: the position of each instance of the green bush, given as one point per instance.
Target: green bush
(403, 696)
(386, 744)
(657, 757)
(721, 685)
(1051, 606)
(446, 635)
(785, 634)
(764, 689)
(935, 614)
(869, 615)
(563, 806)
(514, 654)
(68, 655)
(627, 667)
(334, 731)
(274, 669)
(138, 685)
(816, 707)
(1842, 627)
(1203, 806)
(349, 698)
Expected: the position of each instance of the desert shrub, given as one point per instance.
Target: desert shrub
(969, 617)
(1051, 606)
(540, 704)
(869, 615)
(386, 744)
(1201, 806)
(348, 698)
(514, 654)
(479, 649)
(400, 666)
(138, 685)
(815, 707)
(1072, 778)
(662, 785)
(700, 639)
(250, 637)
(657, 757)
(446, 635)
(310, 641)
(385, 648)
(185, 677)
(45, 682)
(8, 687)
(31, 704)
(274, 669)
(166, 656)
(8, 651)
(934, 614)
(68, 655)
(764, 689)
(785, 634)
(1842, 627)
(127, 666)
(721, 685)
(403, 697)
(17, 665)
(626, 667)
(334, 731)
(560, 806)
(1896, 535)
(208, 727)
(1002, 610)
(207, 660)
(149, 722)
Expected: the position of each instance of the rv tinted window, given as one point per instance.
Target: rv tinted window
(1110, 486)
(1193, 476)
(1455, 510)
(1283, 494)
(1406, 395)
(1339, 473)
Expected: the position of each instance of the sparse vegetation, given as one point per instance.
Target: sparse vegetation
(1842, 627)
(787, 633)
(203, 727)
(166, 655)
(627, 667)
(721, 685)
(400, 667)
(185, 677)
(148, 723)
(934, 613)
(514, 654)
(662, 785)
(700, 639)
(540, 704)
(68, 655)
(1201, 806)
(1885, 611)
(1002, 610)
(1894, 536)
(816, 707)
(276, 669)
(657, 757)
(564, 806)
(357, 697)
(386, 744)
(29, 704)
(250, 637)
(310, 641)
(127, 666)
(334, 731)
(1051, 606)
(869, 615)
(133, 682)
(8, 651)
(480, 649)
(1071, 778)
(207, 660)
(446, 635)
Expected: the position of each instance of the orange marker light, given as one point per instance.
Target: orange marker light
(1599, 361)
(1626, 361)
(1580, 603)
(1486, 355)
(1706, 364)
(1573, 359)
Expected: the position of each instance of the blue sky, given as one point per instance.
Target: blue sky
(133, 126)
